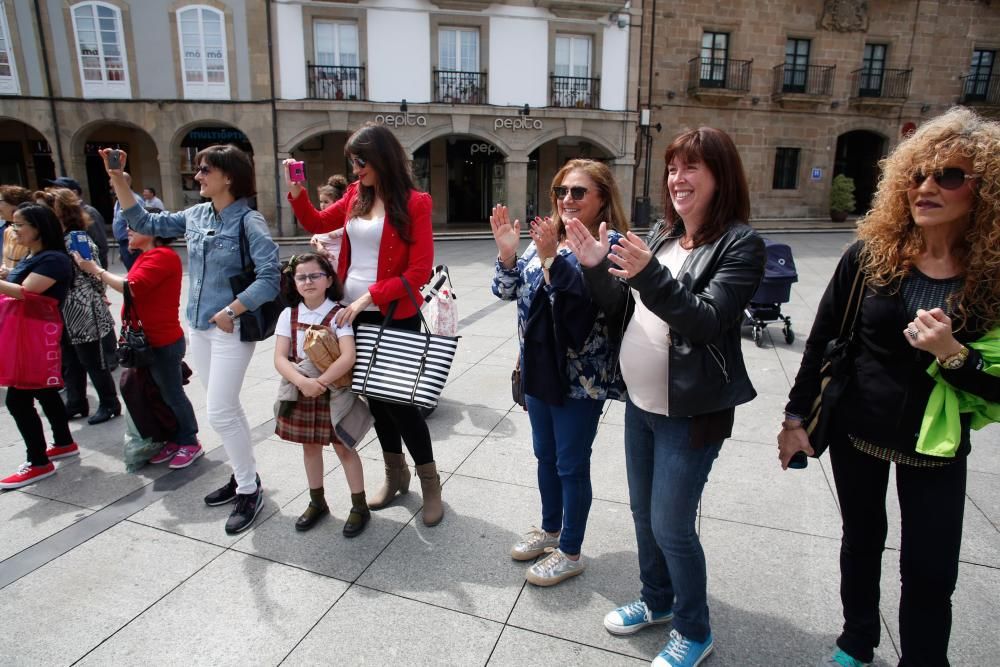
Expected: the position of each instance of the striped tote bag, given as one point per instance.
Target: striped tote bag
(402, 366)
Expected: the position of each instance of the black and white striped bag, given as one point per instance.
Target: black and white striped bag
(399, 365)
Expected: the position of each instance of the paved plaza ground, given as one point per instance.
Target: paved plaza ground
(102, 567)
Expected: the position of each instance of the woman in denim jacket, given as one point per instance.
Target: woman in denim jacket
(568, 350)
(212, 230)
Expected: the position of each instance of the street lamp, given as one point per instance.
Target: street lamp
(642, 207)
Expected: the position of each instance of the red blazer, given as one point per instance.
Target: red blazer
(413, 261)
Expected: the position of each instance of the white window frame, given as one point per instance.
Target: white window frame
(106, 87)
(204, 89)
(572, 65)
(338, 51)
(459, 31)
(8, 82)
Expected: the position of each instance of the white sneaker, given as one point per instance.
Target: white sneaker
(553, 569)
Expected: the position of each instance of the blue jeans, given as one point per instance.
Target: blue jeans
(166, 372)
(563, 436)
(666, 476)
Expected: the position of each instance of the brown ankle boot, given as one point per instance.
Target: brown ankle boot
(397, 480)
(430, 487)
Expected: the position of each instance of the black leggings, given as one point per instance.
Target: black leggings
(21, 404)
(396, 423)
(932, 504)
(85, 359)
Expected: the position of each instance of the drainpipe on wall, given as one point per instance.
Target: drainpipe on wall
(274, 120)
(50, 95)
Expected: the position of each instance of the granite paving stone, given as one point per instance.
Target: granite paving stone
(27, 519)
(520, 647)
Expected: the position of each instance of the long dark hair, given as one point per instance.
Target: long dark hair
(292, 297)
(43, 219)
(731, 202)
(379, 147)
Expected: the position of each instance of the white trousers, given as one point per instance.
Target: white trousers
(221, 360)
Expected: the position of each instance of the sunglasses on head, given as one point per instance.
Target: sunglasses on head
(577, 192)
(359, 162)
(949, 178)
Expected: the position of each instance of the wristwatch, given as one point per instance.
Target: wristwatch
(956, 360)
(229, 311)
(547, 262)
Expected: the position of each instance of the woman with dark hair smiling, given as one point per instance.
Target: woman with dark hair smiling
(212, 230)
(387, 239)
(47, 270)
(683, 289)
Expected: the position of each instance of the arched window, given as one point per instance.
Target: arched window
(8, 73)
(100, 50)
(201, 34)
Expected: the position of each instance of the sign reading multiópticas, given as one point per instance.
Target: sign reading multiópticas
(517, 124)
(401, 120)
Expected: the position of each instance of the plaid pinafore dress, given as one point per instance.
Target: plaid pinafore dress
(308, 422)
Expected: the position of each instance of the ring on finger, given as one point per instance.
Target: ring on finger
(912, 333)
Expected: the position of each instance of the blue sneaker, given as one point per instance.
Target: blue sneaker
(842, 659)
(634, 616)
(683, 652)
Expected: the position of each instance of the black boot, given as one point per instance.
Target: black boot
(316, 510)
(104, 413)
(78, 409)
(359, 516)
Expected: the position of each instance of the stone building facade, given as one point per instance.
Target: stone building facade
(810, 89)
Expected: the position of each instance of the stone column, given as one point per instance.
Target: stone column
(517, 186)
(170, 178)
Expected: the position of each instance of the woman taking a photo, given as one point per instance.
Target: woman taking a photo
(928, 253)
(225, 176)
(154, 283)
(387, 239)
(47, 270)
(87, 321)
(684, 290)
(567, 356)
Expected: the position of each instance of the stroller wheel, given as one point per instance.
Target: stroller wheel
(758, 335)
(789, 334)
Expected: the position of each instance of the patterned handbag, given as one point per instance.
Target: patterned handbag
(402, 366)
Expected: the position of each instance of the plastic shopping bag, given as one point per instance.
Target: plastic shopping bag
(137, 450)
(30, 332)
(440, 308)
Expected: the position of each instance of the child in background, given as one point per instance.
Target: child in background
(313, 295)
(329, 244)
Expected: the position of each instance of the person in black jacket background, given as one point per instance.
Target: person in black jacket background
(685, 288)
(929, 251)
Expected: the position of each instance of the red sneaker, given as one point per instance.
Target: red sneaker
(185, 456)
(165, 454)
(65, 451)
(28, 474)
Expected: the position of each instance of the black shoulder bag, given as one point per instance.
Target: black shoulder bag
(134, 350)
(255, 324)
(835, 372)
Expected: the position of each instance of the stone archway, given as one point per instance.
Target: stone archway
(465, 175)
(858, 153)
(143, 161)
(27, 155)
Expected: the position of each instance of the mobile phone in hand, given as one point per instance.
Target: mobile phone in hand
(80, 242)
(114, 159)
(798, 461)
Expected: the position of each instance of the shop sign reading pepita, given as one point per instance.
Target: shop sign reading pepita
(401, 120)
(517, 124)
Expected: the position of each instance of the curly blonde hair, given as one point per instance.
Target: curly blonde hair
(893, 241)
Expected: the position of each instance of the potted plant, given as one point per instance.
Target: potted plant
(841, 197)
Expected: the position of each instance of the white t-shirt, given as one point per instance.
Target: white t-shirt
(645, 355)
(366, 238)
(306, 316)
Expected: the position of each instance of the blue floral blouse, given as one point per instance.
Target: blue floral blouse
(591, 370)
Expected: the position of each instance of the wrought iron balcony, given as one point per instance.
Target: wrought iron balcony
(723, 75)
(575, 91)
(880, 84)
(336, 83)
(814, 80)
(454, 87)
(981, 89)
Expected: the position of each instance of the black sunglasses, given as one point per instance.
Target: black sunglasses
(203, 169)
(359, 162)
(949, 178)
(577, 192)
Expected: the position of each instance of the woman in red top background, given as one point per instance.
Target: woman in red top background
(154, 281)
(387, 238)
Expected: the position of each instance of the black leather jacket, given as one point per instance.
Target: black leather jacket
(703, 306)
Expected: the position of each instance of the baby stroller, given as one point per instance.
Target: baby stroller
(774, 290)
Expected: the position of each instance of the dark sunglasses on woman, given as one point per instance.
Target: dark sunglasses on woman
(949, 178)
(577, 192)
(359, 162)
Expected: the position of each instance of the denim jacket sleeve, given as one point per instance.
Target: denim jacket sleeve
(264, 253)
(167, 225)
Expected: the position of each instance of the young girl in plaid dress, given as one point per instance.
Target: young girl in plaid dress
(313, 294)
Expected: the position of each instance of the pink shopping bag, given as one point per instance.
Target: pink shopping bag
(30, 331)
